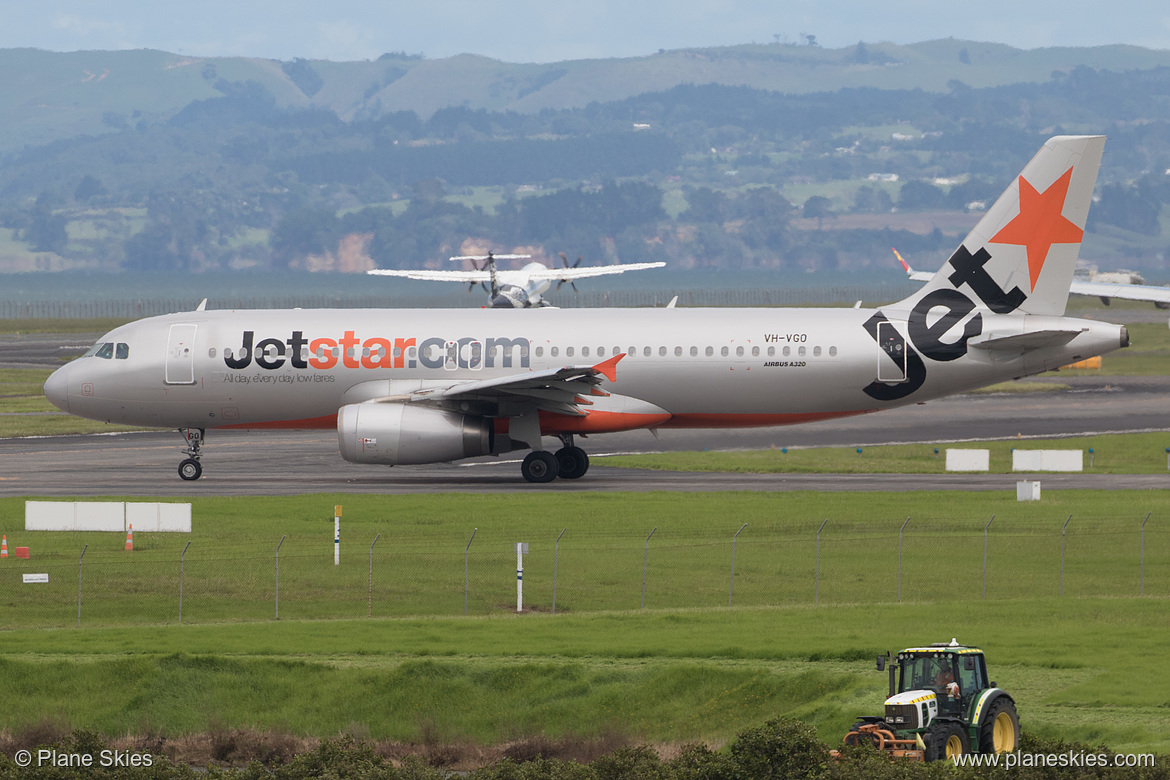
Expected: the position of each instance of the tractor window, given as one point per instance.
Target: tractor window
(927, 673)
(971, 679)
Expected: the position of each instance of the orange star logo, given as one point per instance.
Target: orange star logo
(1040, 223)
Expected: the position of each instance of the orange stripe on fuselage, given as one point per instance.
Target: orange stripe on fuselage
(707, 420)
(311, 423)
(598, 421)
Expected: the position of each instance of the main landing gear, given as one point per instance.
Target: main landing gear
(569, 462)
(190, 469)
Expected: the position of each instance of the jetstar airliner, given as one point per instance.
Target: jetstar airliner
(426, 386)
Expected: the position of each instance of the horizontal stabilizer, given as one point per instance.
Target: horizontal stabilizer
(1026, 341)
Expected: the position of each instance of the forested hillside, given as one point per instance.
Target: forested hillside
(258, 164)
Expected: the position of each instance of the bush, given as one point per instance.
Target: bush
(780, 748)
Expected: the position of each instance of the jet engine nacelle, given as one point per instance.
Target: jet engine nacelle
(403, 434)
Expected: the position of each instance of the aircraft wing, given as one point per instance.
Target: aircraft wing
(428, 275)
(1125, 292)
(558, 390)
(570, 274)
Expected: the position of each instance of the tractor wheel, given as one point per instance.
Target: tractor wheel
(947, 741)
(1001, 728)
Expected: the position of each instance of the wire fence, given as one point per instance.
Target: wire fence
(391, 575)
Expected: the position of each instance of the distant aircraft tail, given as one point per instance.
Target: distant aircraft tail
(1021, 256)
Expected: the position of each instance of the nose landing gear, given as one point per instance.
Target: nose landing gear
(191, 469)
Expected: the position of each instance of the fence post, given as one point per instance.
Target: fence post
(182, 558)
(817, 592)
(556, 556)
(1142, 559)
(1062, 529)
(466, 553)
(989, 522)
(645, 560)
(370, 603)
(278, 577)
(731, 589)
(900, 530)
(83, 549)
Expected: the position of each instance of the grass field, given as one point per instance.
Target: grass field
(1085, 666)
(1137, 453)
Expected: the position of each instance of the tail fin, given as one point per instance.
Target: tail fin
(1021, 255)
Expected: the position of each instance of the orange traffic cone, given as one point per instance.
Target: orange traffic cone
(4, 547)
(130, 537)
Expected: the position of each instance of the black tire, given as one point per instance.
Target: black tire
(190, 469)
(540, 467)
(572, 462)
(947, 740)
(1000, 732)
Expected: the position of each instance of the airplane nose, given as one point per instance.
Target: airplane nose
(57, 389)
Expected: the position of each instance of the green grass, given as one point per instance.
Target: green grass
(1134, 453)
(1086, 665)
(1081, 669)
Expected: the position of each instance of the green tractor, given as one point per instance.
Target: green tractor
(941, 705)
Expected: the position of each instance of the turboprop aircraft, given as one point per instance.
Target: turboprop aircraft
(520, 289)
(426, 386)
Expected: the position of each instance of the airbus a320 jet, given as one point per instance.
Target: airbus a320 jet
(423, 386)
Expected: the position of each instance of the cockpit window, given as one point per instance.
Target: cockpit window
(105, 351)
(121, 351)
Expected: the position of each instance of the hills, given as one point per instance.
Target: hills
(745, 157)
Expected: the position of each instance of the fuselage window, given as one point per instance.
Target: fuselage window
(584, 351)
(540, 351)
(694, 351)
(554, 351)
(710, 351)
(616, 350)
(787, 351)
(568, 352)
(678, 351)
(211, 352)
(662, 351)
(105, 351)
(816, 351)
(724, 351)
(646, 351)
(739, 351)
(601, 352)
(800, 351)
(632, 351)
(771, 352)
(412, 352)
(755, 351)
(832, 352)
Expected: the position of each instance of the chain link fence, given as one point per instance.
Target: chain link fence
(571, 570)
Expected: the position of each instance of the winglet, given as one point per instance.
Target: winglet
(608, 368)
(905, 266)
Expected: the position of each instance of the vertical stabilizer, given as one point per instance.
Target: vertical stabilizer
(1021, 255)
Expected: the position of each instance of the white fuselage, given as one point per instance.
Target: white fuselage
(682, 367)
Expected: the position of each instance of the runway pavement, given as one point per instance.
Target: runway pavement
(282, 462)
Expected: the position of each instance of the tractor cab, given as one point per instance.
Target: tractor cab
(953, 673)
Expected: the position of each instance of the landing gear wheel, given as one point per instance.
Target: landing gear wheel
(1001, 728)
(190, 469)
(947, 741)
(572, 462)
(540, 467)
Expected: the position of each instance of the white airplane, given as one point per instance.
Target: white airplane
(426, 386)
(1106, 291)
(520, 289)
